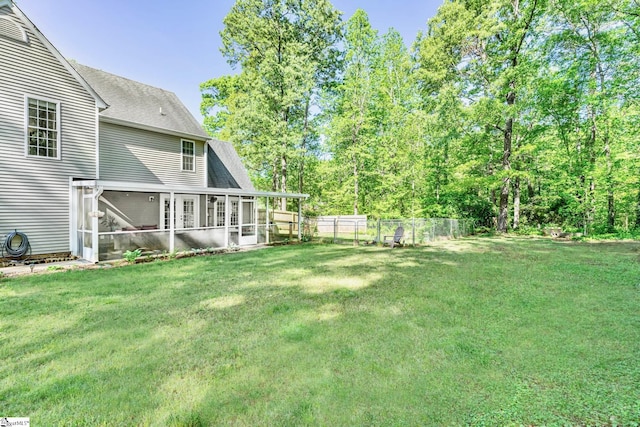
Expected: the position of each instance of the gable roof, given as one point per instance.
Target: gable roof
(225, 167)
(139, 105)
(100, 103)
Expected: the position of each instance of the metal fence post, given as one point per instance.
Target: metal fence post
(433, 230)
(413, 231)
(355, 235)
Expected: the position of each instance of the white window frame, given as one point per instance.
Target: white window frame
(58, 152)
(234, 211)
(184, 156)
(219, 212)
(179, 218)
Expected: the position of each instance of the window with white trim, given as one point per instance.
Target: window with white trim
(220, 212)
(234, 212)
(43, 128)
(188, 156)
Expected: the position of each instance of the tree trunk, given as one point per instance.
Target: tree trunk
(611, 209)
(516, 203)
(531, 191)
(303, 147)
(283, 181)
(638, 211)
(511, 100)
(590, 198)
(356, 186)
(506, 165)
(275, 179)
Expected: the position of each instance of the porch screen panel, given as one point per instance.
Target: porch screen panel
(188, 213)
(167, 214)
(248, 218)
(87, 206)
(220, 213)
(234, 212)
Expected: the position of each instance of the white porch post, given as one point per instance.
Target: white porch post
(227, 220)
(73, 219)
(172, 221)
(299, 220)
(256, 219)
(268, 228)
(95, 243)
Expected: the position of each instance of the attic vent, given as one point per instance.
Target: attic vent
(10, 29)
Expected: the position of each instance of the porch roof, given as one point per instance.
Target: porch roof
(159, 188)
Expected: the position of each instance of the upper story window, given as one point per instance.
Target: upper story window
(188, 156)
(43, 128)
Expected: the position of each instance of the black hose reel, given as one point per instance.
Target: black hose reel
(16, 245)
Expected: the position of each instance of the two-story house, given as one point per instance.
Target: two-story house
(94, 164)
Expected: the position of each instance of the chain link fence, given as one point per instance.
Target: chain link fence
(417, 231)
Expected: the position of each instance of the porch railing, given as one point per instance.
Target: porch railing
(114, 244)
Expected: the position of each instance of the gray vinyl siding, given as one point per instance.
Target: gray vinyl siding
(142, 156)
(34, 192)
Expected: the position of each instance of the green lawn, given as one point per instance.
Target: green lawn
(480, 331)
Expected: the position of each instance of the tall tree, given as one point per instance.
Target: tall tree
(486, 43)
(590, 47)
(286, 50)
(352, 121)
(397, 141)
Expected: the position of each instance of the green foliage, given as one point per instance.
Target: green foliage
(373, 127)
(131, 256)
(286, 51)
(515, 114)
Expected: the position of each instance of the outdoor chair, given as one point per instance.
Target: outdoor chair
(396, 240)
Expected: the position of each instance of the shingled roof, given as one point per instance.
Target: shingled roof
(140, 104)
(225, 167)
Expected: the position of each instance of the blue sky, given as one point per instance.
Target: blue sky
(175, 45)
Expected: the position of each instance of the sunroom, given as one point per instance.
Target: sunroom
(110, 218)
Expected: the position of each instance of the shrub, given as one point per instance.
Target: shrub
(131, 256)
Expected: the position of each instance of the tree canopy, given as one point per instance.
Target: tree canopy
(516, 113)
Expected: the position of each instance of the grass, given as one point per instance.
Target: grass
(501, 331)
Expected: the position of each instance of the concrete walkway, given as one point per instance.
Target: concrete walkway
(21, 268)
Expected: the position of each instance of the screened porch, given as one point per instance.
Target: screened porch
(111, 218)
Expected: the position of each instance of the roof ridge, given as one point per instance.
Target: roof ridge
(140, 103)
(74, 63)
